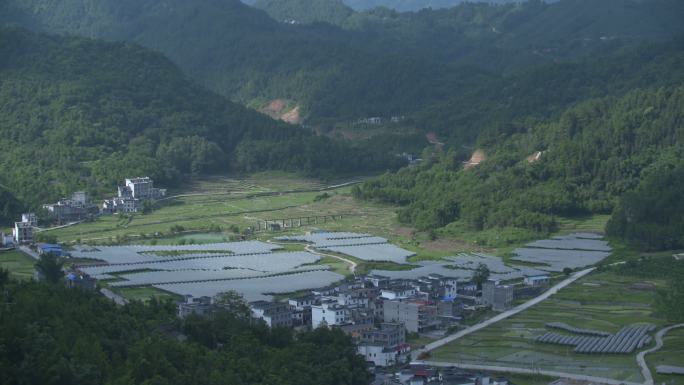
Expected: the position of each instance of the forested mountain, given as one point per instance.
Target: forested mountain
(78, 113)
(403, 5)
(10, 207)
(590, 156)
(52, 335)
(652, 215)
(377, 63)
(306, 11)
(505, 104)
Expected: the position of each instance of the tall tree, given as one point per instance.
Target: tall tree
(50, 267)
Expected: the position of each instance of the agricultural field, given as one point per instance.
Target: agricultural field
(19, 264)
(601, 301)
(216, 206)
(226, 204)
(672, 353)
(217, 209)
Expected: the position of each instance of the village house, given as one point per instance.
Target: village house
(75, 209)
(500, 297)
(328, 314)
(195, 305)
(132, 195)
(274, 314)
(537, 280)
(23, 232)
(416, 315)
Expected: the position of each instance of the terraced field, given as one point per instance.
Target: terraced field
(19, 264)
(672, 353)
(600, 301)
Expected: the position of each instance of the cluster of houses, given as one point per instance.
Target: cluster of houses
(429, 375)
(377, 120)
(78, 208)
(132, 195)
(378, 312)
(130, 199)
(22, 232)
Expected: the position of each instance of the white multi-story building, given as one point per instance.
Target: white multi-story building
(398, 292)
(352, 300)
(140, 188)
(328, 314)
(6, 240)
(23, 232)
(30, 218)
(275, 314)
(132, 195)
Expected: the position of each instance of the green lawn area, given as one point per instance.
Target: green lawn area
(602, 301)
(589, 223)
(529, 379)
(336, 266)
(19, 264)
(417, 341)
(672, 353)
(203, 213)
(146, 293)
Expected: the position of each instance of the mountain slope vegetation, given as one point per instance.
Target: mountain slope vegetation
(78, 113)
(590, 156)
(380, 63)
(54, 335)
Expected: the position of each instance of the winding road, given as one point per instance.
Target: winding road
(553, 290)
(645, 371)
(352, 264)
(549, 373)
(312, 250)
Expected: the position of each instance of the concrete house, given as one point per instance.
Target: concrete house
(416, 315)
(328, 314)
(195, 305)
(23, 232)
(537, 280)
(275, 314)
(500, 297)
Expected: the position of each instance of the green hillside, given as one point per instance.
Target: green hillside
(591, 155)
(78, 113)
(56, 335)
(379, 63)
(306, 11)
(507, 104)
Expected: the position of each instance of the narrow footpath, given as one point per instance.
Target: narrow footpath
(645, 371)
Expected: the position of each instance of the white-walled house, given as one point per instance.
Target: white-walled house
(328, 314)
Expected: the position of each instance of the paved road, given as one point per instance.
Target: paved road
(352, 264)
(29, 252)
(553, 290)
(40, 230)
(119, 300)
(550, 373)
(310, 249)
(645, 371)
(247, 194)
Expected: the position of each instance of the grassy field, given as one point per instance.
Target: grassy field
(601, 301)
(672, 353)
(210, 209)
(19, 264)
(146, 293)
(529, 379)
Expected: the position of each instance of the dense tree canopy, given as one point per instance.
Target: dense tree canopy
(83, 114)
(375, 63)
(52, 335)
(590, 156)
(652, 215)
